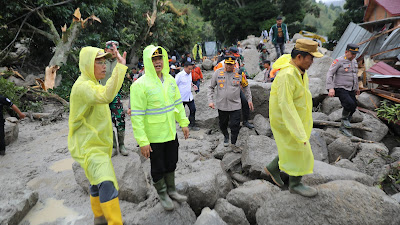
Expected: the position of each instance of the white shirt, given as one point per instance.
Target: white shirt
(184, 82)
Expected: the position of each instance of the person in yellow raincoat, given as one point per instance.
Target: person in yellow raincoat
(290, 114)
(90, 137)
(155, 106)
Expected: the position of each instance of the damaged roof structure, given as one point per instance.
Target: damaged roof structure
(379, 47)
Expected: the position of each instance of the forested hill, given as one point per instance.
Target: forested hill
(327, 15)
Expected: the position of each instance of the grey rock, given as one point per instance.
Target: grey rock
(262, 126)
(11, 131)
(260, 76)
(318, 145)
(337, 116)
(130, 176)
(16, 81)
(230, 160)
(379, 129)
(260, 94)
(330, 104)
(205, 116)
(16, 200)
(397, 197)
(251, 40)
(204, 185)
(337, 202)
(240, 178)
(289, 47)
(369, 159)
(207, 64)
(3, 69)
(320, 68)
(297, 36)
(209, 217)
(368, 101)
(251, 196)
(251, 61)
(317, 89)
(395, 154)
(341, 147)
(324, 173)
(221, 150)
(319, 116)
(231, 214)
(347, 164)
(259, 152)
(391, 142)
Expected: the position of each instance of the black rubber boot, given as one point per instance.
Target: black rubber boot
(171, 189)
(248, 125)
(272, 169)
(296, 187)
(344, 131)
(226, 140)
(165, 200)
(346, 119)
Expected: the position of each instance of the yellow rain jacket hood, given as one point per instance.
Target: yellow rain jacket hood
(156, 105)
(290, 113)
(90, 129)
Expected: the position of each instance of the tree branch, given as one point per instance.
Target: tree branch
(49, 22)
(42, 32)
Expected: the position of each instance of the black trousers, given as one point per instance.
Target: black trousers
(233, 117)
(2, 135)
(192, 109)
(105, 190)
(347, 99)
(245, 106)
(163, 159)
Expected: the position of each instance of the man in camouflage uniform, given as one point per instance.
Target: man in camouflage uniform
(263, 57)
(116, 106)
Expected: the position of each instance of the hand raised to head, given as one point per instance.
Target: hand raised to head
(120, 59)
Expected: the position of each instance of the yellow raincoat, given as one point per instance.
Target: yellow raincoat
(90, 130)
(290, 113)
(155, 105)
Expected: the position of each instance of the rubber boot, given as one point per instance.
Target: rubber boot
(346, 118)
(114, 150)
(165, 200)
(272, 169)
(171, 189)
(248, 125)
(226, 140)
(112, 212)
(99, 218)
(295, 186)
(344, 131)
(121, 139)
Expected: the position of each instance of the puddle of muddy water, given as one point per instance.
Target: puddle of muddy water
(62, 165)
(49, 211)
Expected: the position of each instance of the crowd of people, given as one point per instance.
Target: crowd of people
(163, 86)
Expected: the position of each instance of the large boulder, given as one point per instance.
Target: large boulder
(342, 147)
(251, 40)
(289, 47)
(347, 164)
(319, 116)
(205, 116)
(16, 200)
(262, 126)
(337, 116)
(10, 131)
(297, 36)
(369, 159)
(317, 89)
(320, 68)
(318, 145)
(231, 214)
(337, 202)
(251, 196)
(205, 184)
(259, 152)
(324, 173)
(131, 179)
(379, 129)
(209, 217)
(260, 94)
(395, 154)
(330, 104)
(251, 57)
(260, 76)
(207, 64)
(368, 101)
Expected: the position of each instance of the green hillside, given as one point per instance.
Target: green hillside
(323, 24)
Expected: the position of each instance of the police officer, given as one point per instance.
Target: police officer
(342, 82)
(228, 82)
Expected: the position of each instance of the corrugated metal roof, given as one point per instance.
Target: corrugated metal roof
(391, 42)
(383, 68)
(353, 34)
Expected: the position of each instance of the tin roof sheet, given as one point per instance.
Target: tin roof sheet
(383, 68)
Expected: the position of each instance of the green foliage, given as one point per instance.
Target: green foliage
(324, 23)
(390, 183)
(389, 111)
(354, 12)
(70, 73)
(296, 10)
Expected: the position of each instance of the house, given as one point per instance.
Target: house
(381, 12)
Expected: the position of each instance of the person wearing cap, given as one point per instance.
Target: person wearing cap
(290, 114)
(90, 138)
(116, 106)
(342, 82)
(184, 81)
(156, 104)
(279, 35)
(263, 57)
(225, 87)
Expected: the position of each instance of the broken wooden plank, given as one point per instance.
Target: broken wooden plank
(358, 126)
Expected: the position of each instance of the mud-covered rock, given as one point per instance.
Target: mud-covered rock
(231, 214)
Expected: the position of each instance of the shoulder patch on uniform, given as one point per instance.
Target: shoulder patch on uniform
(335, 61)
